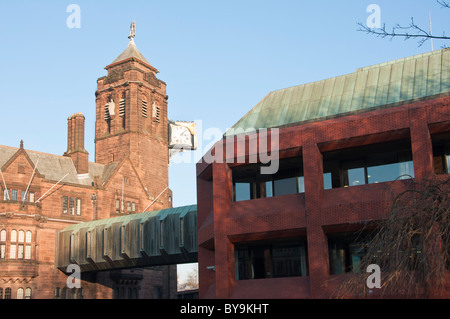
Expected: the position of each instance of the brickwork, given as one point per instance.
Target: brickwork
(130, 171)
(315, 213)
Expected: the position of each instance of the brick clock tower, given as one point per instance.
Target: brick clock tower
(131, 119)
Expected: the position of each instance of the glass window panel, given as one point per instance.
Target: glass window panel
(14, 195)
(31, 197)
(28, 237)
(23, 196)
(269, 189)
(301, 184)
(28, 293)
(356, 176)
(117, 205)
(12, 253)
(13, 235)
(327, 182)
(337, 257)
(78, 206)
(3, 235)
(269, 260)
(8, 293)
(28, 252)
(72, 206)
(20, 252)
(357, 253)
(20, 293)
(6, 195)
(390, 172)
(21, 236)
(242, 191)
(65, 204)
(285, 186)
(2, 251)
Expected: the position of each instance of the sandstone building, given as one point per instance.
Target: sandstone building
(44, 193)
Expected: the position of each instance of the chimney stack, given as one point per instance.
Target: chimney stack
(75, 143)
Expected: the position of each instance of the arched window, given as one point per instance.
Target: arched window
(28, 293)
(13, 236)
(20, 293)
(8, 293)
(28, 237)
(21, 236)
(3, 235)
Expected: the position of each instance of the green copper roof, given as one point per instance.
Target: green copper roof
(383, 85)
(142, 217)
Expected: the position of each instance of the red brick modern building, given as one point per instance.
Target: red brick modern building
(346, 146)
(42, 194)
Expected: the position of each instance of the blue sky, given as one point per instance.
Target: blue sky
(218, 58)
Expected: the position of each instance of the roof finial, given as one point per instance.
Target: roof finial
(132, 31)
(21, 143)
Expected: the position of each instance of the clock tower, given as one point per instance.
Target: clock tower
(131, 119)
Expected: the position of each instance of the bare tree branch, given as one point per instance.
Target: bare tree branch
(399, 31)
(411, 246)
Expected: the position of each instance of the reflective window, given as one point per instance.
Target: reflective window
(271, 259)
(327, 181)
(345, 252)
(390, 172)
(370, 164)
(249, 183)
(285, 186)
(242, 191)
(356, 176)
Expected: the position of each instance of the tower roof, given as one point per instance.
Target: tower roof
(132, 53)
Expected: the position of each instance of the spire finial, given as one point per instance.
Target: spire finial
(132, 31)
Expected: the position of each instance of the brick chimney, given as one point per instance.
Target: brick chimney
(75, 143)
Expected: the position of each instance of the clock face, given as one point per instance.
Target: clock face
(181, 136)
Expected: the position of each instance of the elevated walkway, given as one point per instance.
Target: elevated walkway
(164, 237)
